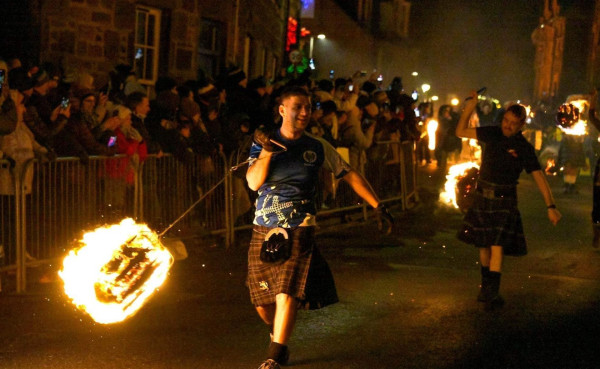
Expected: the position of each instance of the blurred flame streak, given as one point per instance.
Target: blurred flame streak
(551, 167)
(116, 269)
(455, 172)
(432, 126)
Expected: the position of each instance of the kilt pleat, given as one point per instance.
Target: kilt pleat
(305, 275)
(494, 222)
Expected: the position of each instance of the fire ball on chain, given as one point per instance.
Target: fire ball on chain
(460, 185)
(567, 115)
(465, 189)
(115, 270)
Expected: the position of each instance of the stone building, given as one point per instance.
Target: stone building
(360, 35)
(549, 40)
(593, 61)
(175, 38)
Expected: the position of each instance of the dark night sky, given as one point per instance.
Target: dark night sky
(467, 44)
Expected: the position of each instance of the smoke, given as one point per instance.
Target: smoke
(467, 44)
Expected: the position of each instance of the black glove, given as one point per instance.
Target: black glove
(384, 216)
(262, 137)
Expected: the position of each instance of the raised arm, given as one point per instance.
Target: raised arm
(258, 171)
(463, 129)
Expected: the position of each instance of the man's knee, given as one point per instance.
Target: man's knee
(284, 299)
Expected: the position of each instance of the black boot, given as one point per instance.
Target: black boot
(279, 353)
(484, 291)
(495, 300)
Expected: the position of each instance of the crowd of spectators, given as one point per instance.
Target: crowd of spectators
(70, 115)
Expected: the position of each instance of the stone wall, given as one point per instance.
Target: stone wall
(87, 35)
(95, 35)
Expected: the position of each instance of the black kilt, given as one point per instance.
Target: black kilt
(305, 275)
(494, 221)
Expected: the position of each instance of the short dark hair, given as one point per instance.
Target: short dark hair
(293, 91)
(519, 111)
(134, 99)
(325, 85)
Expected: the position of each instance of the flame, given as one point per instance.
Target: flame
(455, 172)
(551, 167)
(579, 104)
(432, 126)
(579, 129)
(116, 269)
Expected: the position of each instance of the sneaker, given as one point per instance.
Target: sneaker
(269, 364)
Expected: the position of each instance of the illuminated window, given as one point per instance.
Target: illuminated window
(147, 33)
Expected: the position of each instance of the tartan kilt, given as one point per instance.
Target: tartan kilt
(305, 275)
(494, 222)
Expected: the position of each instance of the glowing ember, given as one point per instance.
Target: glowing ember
(116, 269)
(455, 174)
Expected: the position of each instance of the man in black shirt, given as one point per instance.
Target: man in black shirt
(493, 224)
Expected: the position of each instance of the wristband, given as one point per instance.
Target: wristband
(552, 206)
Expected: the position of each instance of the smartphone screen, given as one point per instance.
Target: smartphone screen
(64, 103)
(112, 141)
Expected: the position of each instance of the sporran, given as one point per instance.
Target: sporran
(276, 247)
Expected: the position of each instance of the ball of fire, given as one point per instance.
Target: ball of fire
(115, 270)
(460, 183)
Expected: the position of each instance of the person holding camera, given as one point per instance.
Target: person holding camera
(285, 269)
(358, 132)
(45, 121)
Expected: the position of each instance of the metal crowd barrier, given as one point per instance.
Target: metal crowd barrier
(42, 220)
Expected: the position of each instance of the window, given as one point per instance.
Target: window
(147, 33)
(210, 46)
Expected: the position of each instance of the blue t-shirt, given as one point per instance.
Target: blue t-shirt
(287, 197)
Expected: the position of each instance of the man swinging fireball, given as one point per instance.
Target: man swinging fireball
(493, 223)
(285, 269)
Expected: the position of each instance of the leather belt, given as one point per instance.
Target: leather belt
(491, 193)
